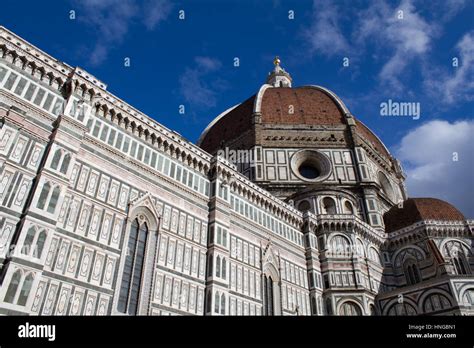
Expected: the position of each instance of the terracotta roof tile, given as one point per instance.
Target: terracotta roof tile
(229, 126)
(310, 106)
(419, 209)
(366, 133)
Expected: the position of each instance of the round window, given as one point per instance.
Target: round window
(310, 165)
(308, 171)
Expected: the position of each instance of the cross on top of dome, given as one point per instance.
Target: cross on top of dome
(279, 77)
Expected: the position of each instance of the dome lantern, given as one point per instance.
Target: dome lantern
(279, 77)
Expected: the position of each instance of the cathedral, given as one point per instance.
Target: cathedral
(287, 205)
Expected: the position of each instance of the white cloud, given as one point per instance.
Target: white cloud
(197, 87)
(456, 84)
(401, 31)
(450, 8)
(427, 154)
(111, 20)
(397, 40)
(155, 11)
(324, 36)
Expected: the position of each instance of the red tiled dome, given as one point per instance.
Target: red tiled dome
(311, 105)
(418, 209)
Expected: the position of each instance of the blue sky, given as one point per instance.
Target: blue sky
(403, 56)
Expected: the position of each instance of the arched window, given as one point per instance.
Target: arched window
(374, 255)
(43, 196)
(216, 302)
(39, 241)
(329, 206)
(401, 309)
(218, 266)
(54, 200)
(468, 297)
(348, 209)
(412, 273)
(133, 269)
(313, 305)
(65, 164)
(224, 238)
(222, 304)
(209, 266)
(219, 236)
(340, 246)
(456, 252)
(25, 290)
(460, 263)
(40, 244)
(349, 308)
(30, 235)
(13, 287)
(436, 302)
(268, 295)
(224, 266)
(56, 159)
(304, 206)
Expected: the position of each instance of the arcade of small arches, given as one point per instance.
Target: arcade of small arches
(328, 205)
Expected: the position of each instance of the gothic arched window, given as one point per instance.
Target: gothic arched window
(133, 269)
(268, 295)
(54, 200)
(30, 235)
(223, 268)
(458, 253)
(314, 306)
(13, 286)
(222, 304)
(40, 240)
(340, 246)
(218, 267)
(25, 290)
(65, 164)
(436, 302)
(460, 263)
(412, 273)
(216, 302)
(401, 309)
(349, 309)
(43, 195)
(40, 244)
(56, 159)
